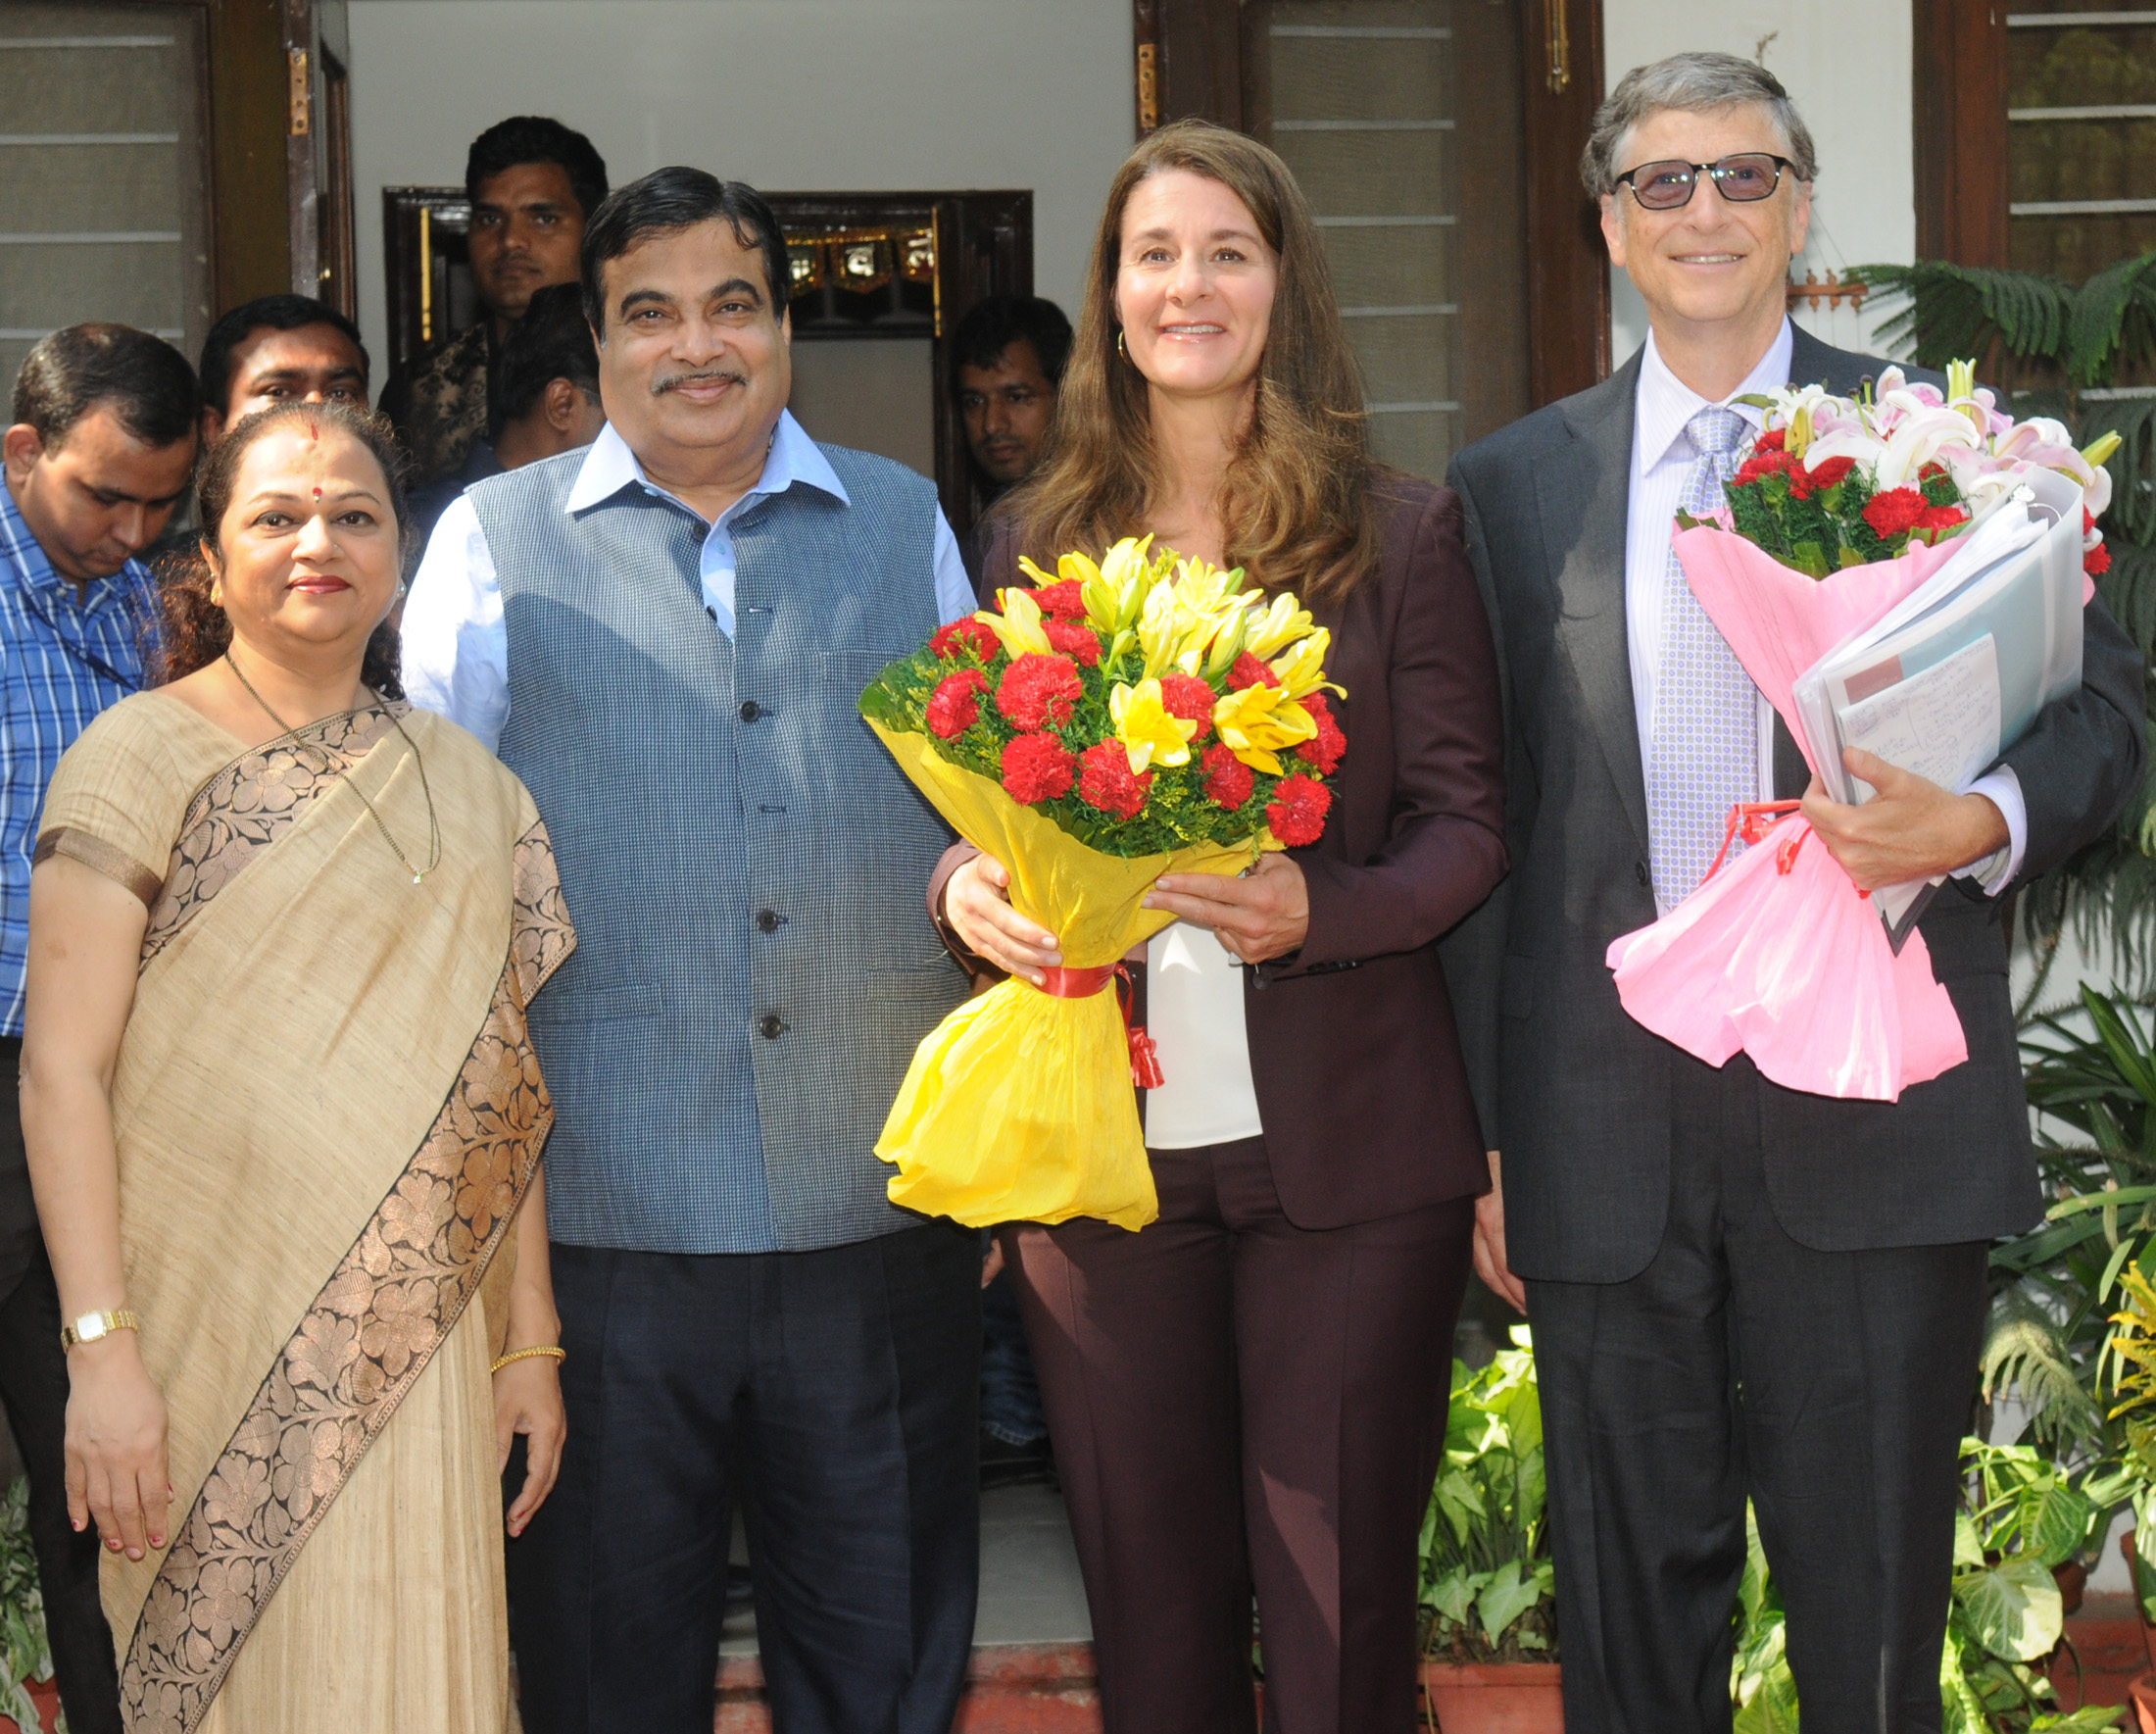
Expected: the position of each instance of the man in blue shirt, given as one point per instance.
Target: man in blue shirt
(665, 635)
(101, 449)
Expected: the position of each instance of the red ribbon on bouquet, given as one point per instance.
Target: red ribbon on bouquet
(1082, 984)
(1751, 819)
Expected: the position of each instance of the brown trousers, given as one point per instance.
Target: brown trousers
(1234, 1402)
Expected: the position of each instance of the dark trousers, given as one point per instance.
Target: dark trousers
(843, 1386)
(1236, 1400)
(34, 1384)
(1831, 1388)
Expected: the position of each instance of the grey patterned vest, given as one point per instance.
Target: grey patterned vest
(745, 865)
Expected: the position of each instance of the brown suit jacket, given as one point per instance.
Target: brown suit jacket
(1354, 1050)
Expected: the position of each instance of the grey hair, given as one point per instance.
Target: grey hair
(1699, 83)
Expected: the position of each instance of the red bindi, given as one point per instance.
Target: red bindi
(317, 493)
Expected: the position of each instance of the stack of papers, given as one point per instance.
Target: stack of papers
(1944, 682)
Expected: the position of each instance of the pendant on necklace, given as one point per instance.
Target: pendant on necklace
(418, 877)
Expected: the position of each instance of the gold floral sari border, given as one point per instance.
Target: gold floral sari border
(371, 1332)
(250, 804)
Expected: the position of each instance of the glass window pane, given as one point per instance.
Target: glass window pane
(103, 173)
(2081, 135)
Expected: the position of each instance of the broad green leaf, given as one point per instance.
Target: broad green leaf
(2055, 1519)
(1968, 1549)
(1453, 1593)
(1461, 1501)
(2013, 1607)
(1507, 1595)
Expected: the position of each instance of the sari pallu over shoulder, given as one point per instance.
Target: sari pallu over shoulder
(328, 1109)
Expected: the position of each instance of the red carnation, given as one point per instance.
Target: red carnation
(1762, 465)
(1931, 472)
(1939, 517)
(1896, 510)
(1061, 602)
(1228, 780)
(1804, 483)
(2097, 560)
(1323, 752)
(1037, 690)
(2088, 521)
(967, 634)
(1074, 638)
(1037, 767)
(1190, 698)
(1248, 673)
(1105, 780)
(1296, 811)
(1772, 440)
(955, 704)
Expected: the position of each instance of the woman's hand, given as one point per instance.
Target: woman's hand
(115, 1452)
(527, 1400)
(977, 905)
(1266, 913)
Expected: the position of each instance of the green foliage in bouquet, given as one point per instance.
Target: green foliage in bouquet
(2064, 349)
(22, 1609)
(1489, 1588)
(1145, 705)
(1823, 520)
(2020, 1515)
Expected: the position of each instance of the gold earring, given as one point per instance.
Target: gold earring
(1119, 349)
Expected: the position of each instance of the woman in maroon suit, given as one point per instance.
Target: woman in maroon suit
(1253, 1389)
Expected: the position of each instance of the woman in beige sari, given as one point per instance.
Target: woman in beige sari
(285, 1127)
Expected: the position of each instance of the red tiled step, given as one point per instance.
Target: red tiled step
(2106, 1634)
(1010, 1689)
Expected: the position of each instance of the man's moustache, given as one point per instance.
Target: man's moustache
(673, 381)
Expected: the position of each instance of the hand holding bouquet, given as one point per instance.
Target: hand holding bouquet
(1118, 722)
(1842, 509)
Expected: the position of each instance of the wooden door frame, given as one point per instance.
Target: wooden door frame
(1190, 59)
(1959, 131)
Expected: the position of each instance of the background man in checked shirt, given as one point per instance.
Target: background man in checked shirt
(102, 449)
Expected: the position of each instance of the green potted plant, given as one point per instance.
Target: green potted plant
(1488, 1596)
(2022, 1517)
(29, 1694)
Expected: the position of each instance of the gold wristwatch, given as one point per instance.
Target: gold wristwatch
(93, 1325)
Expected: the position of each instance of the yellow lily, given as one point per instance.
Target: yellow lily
(1277, 627)
(1018, 625)
(1260, 721)
(1116, 591)
(1303, 669)
(2098, 454)
(1161, 629)
(1149, 730)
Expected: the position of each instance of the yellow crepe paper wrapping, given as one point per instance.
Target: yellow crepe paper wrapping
(1018, 1107)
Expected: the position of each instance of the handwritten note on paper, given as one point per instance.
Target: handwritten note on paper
(1942, 723)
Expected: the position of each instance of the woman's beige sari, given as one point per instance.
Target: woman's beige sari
(327, 1115)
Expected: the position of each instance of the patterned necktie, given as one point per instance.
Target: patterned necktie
(1705, 752)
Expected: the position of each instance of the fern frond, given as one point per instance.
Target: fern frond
(1955, 311)
(2109, 320)
(2026, 1352)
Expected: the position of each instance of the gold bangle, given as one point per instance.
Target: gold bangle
(547, 1349)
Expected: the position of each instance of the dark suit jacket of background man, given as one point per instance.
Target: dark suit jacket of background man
(1575, 1094)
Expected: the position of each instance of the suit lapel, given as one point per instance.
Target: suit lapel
(1583, 496)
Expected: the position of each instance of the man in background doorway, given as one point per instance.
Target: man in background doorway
(279, 349)
(101, 449)
(545, 399)
(533, 182)
(1007, 359)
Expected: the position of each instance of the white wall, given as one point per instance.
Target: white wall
(791, 95)
(1847, 66)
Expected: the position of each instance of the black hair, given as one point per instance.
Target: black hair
(537, 139)
(549, 342)
(196, 630)
(669, 200)
(69, 373)
(996, 322)
(267, 313)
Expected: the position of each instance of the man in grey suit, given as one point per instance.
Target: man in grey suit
(1737, 1291)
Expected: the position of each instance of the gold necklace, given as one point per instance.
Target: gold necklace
(433, 825)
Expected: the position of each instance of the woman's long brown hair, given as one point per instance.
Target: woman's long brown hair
(1295, 502)
(193, 631)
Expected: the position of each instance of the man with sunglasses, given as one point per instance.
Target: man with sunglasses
(1738, 1292)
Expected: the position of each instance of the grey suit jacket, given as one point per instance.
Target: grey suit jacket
(1573, 1091)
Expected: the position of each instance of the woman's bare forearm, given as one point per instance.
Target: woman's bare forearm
(532, 1318)
(75, 1172)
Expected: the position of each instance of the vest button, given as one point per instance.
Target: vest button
(772, 1027)
(1639, 871)
(768, 920)
(751, 710)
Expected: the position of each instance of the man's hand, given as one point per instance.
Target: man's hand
(1490, 1262)
(977, 905)
(1911, 829)
(1266, 913)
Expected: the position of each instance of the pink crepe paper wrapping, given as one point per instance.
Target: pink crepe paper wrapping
(1791, 967)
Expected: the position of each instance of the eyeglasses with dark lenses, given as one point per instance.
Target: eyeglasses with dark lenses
(1742, 179)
